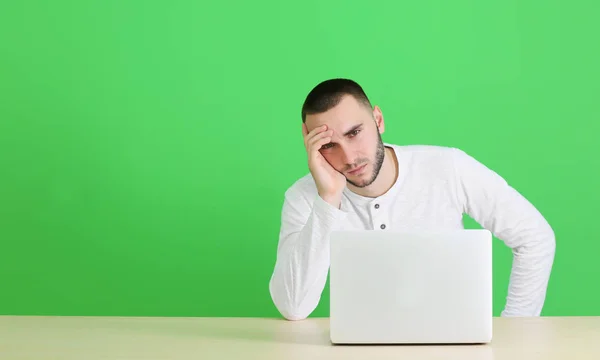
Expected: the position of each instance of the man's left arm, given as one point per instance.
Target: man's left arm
(498, 207)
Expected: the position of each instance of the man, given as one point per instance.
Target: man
(358, 182)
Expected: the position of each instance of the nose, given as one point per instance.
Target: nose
(346, 155)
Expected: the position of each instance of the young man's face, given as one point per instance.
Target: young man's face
(356, 149)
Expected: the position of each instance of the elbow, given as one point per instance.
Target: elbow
(289, 311)
(285, 305)
(537, 243)
(546, 238)
(550, 237)
(292, 316)
(541, 247)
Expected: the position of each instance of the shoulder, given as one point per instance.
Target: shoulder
(303, 189)
(430, 155)
(434, 161)
(423, 150)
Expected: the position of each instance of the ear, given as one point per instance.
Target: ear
(378, 117)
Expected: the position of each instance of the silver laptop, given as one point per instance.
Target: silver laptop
(391, 287)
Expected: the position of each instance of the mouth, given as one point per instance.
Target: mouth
(357, 170)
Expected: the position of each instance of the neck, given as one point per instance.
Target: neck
(385, 180)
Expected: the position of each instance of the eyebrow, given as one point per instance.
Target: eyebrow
(352, 129)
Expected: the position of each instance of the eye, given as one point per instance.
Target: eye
(354, 133)
(326, 146)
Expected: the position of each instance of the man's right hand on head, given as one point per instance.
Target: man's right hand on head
(330, 182)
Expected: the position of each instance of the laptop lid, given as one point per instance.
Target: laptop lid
(411, 287)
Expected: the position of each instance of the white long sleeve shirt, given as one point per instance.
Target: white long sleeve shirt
(435, 187)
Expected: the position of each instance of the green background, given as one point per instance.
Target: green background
(145, 146)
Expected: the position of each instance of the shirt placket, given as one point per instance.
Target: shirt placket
(379, 221)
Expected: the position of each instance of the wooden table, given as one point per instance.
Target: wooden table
(87, 338)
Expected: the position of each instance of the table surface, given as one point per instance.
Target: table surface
(34, 337)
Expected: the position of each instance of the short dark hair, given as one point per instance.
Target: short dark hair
(329, 93)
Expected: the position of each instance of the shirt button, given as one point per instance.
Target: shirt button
(376, 206)
(382, 226)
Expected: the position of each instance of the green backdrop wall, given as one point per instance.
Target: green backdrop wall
(145, 146)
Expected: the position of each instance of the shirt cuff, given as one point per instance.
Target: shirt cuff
(327, 212)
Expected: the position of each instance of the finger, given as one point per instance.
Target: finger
(317, 137)
(316, 145)
(304, 133)
(315, 152)
(314, 132)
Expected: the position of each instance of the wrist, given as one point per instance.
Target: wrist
(334, 200)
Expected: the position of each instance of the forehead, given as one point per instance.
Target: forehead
(347, 113)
